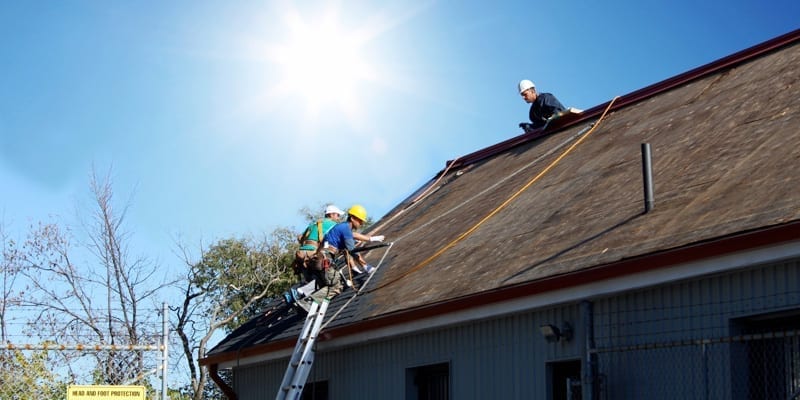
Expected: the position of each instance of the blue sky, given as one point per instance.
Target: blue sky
(223, 119)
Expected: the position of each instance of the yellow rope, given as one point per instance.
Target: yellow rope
(501, 206)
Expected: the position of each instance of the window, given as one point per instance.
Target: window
(429, 382)
(768, 359)
(315, 391)
(565, 380)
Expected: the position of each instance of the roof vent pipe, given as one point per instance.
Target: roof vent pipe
(647, 172)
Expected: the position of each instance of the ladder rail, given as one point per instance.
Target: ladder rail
(294, 361)
(307, 360)
(303, 355)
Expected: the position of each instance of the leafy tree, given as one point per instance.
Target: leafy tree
(233, 279)
(37, 381)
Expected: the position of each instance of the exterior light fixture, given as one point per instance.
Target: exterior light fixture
(553, 334)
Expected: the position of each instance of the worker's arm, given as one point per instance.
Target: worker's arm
(364, 238)
(550, 105)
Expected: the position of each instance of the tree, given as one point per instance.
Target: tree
(8, 274)
(37, 381)
(232, 281)
(102, 302)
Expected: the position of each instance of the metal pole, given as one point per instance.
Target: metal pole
(589, 364)
(165, 351)
(647, 172)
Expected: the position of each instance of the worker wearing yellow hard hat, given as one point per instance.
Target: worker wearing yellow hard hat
(341, 238)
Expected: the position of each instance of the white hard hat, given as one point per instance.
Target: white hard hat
(332, 209)
(525, 85)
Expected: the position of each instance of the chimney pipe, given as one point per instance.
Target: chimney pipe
(647, 172)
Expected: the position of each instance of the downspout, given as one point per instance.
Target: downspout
(213, 372)
(589, 362)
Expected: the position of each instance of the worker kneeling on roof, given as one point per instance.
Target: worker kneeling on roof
(306, 257)
(543, 105)
(339, 240)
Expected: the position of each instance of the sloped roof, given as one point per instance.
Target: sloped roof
(520, 215)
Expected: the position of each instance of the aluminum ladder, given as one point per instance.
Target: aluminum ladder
(300, 364)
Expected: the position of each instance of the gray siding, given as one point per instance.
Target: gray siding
(506, 357)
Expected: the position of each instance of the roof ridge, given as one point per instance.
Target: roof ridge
(632, 97)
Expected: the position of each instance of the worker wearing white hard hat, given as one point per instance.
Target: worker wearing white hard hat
(543, 105)
(310, 241)
(340, 240)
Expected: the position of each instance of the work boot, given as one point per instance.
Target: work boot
(303, 305)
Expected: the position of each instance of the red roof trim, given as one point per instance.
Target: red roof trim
(633, 97)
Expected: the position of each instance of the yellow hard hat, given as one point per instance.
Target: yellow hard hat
(359, 212)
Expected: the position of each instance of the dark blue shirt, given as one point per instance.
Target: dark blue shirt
(341, 237)
(543, 108)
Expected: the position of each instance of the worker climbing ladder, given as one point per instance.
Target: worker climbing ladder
(300, 364)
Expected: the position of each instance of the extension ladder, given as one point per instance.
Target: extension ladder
(300, 364)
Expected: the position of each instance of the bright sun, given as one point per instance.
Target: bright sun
(323, 63)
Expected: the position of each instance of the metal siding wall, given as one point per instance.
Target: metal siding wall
(683, 311)
(500, 358)
(250, 383)
(694, 309)
(506, 357)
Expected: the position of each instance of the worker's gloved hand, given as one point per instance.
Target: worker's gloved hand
(526, 126)
(378, 238)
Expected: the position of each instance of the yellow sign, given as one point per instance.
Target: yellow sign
(104, 392)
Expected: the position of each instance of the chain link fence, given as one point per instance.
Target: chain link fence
(757, 366)
(45, 370)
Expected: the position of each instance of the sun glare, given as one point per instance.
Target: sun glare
(323, 63)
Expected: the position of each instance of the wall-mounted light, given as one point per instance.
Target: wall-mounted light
(553, 334)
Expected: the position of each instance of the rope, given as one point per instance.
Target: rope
(501, 206)
(474, 227)
(356, 293)
(496, 184)
(422, 195)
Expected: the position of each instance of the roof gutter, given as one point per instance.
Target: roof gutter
(743, 241)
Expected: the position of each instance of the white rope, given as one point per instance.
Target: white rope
(479, 194)
(356, 293)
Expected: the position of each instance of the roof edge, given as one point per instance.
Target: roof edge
(741, 241)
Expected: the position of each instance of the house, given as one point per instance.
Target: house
(538, 268)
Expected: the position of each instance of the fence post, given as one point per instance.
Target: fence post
(164, 351)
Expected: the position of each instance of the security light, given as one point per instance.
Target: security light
(553, 334)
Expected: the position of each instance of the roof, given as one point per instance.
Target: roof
(559, 207)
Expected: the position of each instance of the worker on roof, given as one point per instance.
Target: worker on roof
(340, 240)
(310, 240)
(543, 105)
